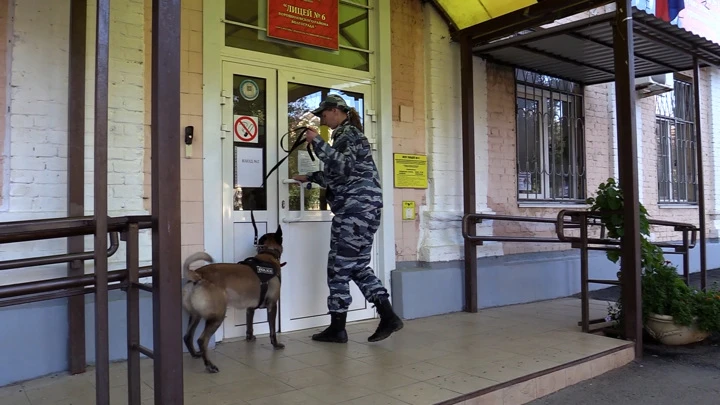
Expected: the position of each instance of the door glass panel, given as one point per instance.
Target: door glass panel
(302, 99)
(250, 100)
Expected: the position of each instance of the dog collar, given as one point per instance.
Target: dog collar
(273, 252)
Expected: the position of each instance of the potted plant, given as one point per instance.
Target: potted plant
(670, 307)
(673, 312)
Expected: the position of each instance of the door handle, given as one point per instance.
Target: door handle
(303, 186)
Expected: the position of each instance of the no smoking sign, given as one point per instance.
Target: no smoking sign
(245, 128)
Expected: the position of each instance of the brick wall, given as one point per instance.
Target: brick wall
(600, 157)
(714, 146)
(38, 123)
(191, 109)
(502, 141)
(440, 226)
(500, 136)
(5, 27)
(650, 186)
(408, 97)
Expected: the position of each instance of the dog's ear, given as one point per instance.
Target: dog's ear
(283, 264)
(278, 234)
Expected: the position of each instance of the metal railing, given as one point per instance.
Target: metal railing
(583, 221)
(48, 289)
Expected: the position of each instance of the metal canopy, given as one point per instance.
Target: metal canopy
(461, 14)
(582, 51)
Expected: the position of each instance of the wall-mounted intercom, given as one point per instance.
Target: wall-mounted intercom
(188, 140)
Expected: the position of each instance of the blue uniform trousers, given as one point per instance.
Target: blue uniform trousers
(349, 259)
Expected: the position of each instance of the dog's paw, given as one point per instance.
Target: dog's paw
(195, 355)
(211, 368)
(250, 338)
(279, 346)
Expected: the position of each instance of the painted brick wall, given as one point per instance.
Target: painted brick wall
(650, 186)
(38, 123)
(714, 145)
(440, 226)
(599, 146)
(409, 97)
(5, 27)
(599, 153)
(600, 160)
(191, 109)
(502, 140)
(495, 135)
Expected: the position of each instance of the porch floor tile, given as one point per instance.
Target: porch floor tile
(431, 360)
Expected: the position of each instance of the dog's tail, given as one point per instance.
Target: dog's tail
(191, 274)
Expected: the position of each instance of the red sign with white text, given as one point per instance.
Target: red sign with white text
(309, 22)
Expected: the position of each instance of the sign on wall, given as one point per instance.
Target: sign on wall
(410, 171)
(308, 22)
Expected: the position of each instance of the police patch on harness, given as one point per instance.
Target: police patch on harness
(265, 272)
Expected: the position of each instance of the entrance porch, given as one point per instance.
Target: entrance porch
(504, 355)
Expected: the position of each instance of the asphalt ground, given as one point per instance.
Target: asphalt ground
(665, 375)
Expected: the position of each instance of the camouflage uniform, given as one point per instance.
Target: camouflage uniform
(353, 192)
(355, 197)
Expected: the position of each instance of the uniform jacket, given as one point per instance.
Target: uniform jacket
(349, 174)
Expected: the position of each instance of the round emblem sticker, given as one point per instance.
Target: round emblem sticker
(249, 90)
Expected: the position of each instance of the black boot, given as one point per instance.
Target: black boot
(389, 321)
(334, 333)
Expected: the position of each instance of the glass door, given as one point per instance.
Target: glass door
(304, 212)
(249, 150)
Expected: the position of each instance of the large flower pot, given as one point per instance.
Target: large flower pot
(664, 329)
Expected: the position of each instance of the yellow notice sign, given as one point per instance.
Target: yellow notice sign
(410, 171)
(408, 213)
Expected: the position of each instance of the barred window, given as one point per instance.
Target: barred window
(550, 139)
(676, 143)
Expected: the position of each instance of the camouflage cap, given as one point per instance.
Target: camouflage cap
(331, 101)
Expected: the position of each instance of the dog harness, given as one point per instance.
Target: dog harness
(265, 272)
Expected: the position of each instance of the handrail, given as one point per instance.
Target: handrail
(597, 216)
(61, 258)
(582, 220)
(51, 228)
(479, 239)
(49, 289)
(21, 231)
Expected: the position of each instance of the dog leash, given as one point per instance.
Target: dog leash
(298, 142)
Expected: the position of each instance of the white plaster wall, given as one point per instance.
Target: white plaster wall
(612, 132)
(714, 115)
(639, 142)
(440, 223)
(37, 176)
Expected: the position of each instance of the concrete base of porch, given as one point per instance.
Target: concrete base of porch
(506, 355)
(427, 289)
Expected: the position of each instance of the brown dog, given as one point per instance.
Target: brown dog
(250, 284)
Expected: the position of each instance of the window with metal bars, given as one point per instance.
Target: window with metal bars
(676, 144)
(550, 126)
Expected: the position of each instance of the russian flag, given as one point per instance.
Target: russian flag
(668, 10)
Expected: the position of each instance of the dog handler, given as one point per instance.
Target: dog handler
(353, 192)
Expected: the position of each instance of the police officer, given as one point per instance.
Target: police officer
(354, 195)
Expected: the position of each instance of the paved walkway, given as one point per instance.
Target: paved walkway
(665, 375)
